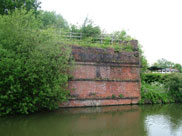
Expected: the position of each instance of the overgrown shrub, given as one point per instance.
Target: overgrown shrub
(33, 65)
(154, 93)
(155, 77)
(161, 88)
(174, 85)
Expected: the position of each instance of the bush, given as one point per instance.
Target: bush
(161, 88)
(33, 65)
(154, 93)
(174, 85)
(155, 77)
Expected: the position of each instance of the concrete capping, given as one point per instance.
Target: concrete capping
(84, 99)
(104, 80)
(111, 64)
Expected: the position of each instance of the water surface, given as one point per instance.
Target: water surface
(148, 120)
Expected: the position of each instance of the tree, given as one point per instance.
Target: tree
(144, 63)
(10, 5)
(52, 19)
(33, 65)
(89, 30)
(163, 63)
(122, 35)
(178, 67)
(75, 29)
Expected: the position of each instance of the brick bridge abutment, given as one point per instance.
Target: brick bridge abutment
(104, 77)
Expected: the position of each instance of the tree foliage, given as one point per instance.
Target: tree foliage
(10, 5)
(33, 65)
(75, 28)
(163, 63)
(51, 19)
(174, 85)
(154, 93)
(88, 29)
(122, 35)
(161, 88)
(178, 67)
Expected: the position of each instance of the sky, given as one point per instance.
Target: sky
(156, 24)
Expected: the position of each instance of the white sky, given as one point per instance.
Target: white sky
(156, 24)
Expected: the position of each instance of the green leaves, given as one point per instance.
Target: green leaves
(10, 5)
(33, 65)
(154, 93)
(174, 84)
(51, 19)
(161, 88)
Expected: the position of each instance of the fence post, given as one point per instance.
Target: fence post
(70, 35)
(112, 40)
(80, 36)
(101, 39)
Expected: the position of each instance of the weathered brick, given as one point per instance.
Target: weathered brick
(101, 76)
(103, 89)
(105, 72)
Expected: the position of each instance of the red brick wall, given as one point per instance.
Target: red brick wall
(101, 76)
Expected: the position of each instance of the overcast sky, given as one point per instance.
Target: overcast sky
(156, 24)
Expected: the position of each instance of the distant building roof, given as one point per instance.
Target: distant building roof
(154, 68)
(159, 69)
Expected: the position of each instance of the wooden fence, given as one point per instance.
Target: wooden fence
(109, 38)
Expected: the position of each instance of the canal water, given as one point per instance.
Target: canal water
(147, 120)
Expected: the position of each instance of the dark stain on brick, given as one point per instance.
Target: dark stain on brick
(98, 72)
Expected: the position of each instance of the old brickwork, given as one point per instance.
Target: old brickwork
(104, 77)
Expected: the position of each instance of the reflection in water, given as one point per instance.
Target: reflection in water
(158, 125)
(163, 120)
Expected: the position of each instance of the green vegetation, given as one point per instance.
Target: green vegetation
(161, 88)
(88, 29)
(51, 19)
(155, 77)
(35, 60)
(121, 96)
(88, 43)
(174, 85)
(10, 5)
(163, 63)
(144, 62)
(91, 36)
(33, 65)
(113, 96)
(154, 93)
